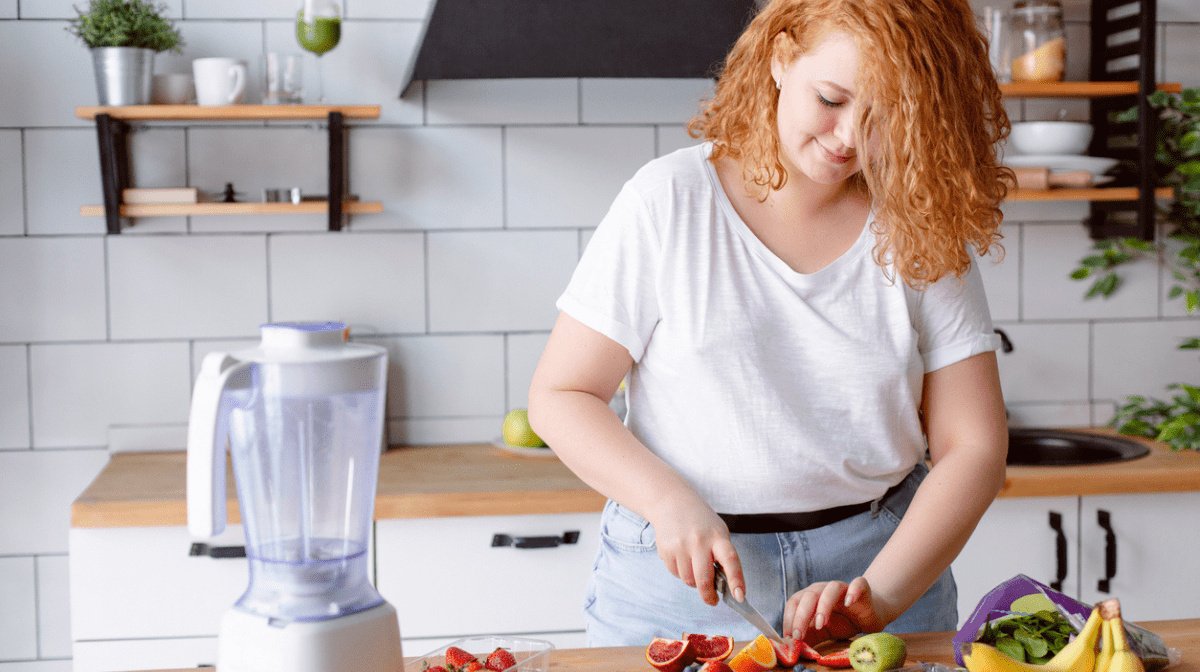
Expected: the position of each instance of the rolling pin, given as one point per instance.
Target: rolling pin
(1042, 178)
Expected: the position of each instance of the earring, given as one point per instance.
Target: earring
(777, 85)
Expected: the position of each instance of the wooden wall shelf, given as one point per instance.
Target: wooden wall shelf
(1078, 89)
(112, 131)
(1095, 194)
(191, 209)
(227, 112)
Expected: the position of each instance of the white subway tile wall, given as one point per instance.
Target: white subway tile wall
(52, 289)
(12, 196)
(372, 281)
(54, 607)
(78, 390)
(14, 397)
(567, 176)
(517, 101)
(18, 608)
(490, 190)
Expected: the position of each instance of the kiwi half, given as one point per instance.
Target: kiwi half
(877, 652)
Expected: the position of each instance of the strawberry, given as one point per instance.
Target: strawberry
(472, 665)
(839, 659)
(459, 659)
(499, 660)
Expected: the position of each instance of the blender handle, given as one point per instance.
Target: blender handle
(206, 431)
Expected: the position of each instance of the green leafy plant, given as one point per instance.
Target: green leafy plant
(1176, 422)
(1031, 638)
(1177, 159)
(125, 23)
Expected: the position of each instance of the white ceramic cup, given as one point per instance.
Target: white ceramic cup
(171, 89)
(219, 81)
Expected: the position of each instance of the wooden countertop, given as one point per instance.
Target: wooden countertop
(930, 647)
(148, 489)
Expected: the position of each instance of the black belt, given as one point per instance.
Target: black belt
(769, 523)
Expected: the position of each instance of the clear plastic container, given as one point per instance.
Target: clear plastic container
(1037, 41)
(532, 655)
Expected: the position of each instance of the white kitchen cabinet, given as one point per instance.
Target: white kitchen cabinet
(139, 601)
(1157, 552)
(144, 654)
(1019, 535)
(1156, 540)
(447, 579)
(141, 582)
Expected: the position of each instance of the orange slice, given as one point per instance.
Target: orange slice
(757, 656)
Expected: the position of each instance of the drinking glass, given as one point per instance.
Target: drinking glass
(318, 29)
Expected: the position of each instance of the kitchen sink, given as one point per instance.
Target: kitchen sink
(1060, 448)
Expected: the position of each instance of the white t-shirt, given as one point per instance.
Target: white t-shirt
(769, 390)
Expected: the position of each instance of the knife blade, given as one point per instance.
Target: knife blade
(744, 608)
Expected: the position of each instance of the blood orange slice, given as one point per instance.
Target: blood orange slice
(710, 647)
(757, 656)
(715, 666)
(670, 655)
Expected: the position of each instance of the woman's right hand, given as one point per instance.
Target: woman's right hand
(690, 537)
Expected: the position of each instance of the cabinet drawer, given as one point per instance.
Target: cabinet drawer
(144, 654)
(446, 579)
(140, 582)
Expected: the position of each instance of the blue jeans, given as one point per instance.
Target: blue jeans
(632, 598)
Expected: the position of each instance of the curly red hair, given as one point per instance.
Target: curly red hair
(933, 176)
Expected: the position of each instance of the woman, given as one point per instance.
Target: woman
(796, 309)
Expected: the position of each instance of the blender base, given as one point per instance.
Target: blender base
(362, 642)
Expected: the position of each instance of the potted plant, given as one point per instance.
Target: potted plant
(1177, 155)
(124, 35)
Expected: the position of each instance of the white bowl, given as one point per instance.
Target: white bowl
(1050, 137)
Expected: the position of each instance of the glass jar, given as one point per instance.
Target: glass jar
(1037, 41)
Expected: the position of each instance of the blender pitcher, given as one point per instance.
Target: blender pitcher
(303, 417)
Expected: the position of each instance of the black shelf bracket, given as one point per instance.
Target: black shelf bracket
(1116, 57)
(337, 169)
(113, 135)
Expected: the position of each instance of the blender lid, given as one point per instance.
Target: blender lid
(306, 342)
(311, 358)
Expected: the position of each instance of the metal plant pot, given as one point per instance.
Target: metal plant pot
(123, 75)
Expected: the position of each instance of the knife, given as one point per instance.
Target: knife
(744, 608)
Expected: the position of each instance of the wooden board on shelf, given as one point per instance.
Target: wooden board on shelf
(1077, 89)
(227, 112)
(1095, 194)
(185, 209)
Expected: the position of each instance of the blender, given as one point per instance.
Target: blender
(302, 414)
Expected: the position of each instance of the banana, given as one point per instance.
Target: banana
(1077, 656)
(1123, 658)
(1104, 658)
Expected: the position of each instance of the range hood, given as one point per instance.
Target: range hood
(497, 39)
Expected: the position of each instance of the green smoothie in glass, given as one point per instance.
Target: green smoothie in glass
(320, 35)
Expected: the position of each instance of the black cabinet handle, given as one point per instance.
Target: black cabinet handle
(217, 552)
(535, 542)
(1110, 551)
(1060, 571)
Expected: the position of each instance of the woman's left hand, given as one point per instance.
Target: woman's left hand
(832, 610)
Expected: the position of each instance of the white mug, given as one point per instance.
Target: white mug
(219, 81)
